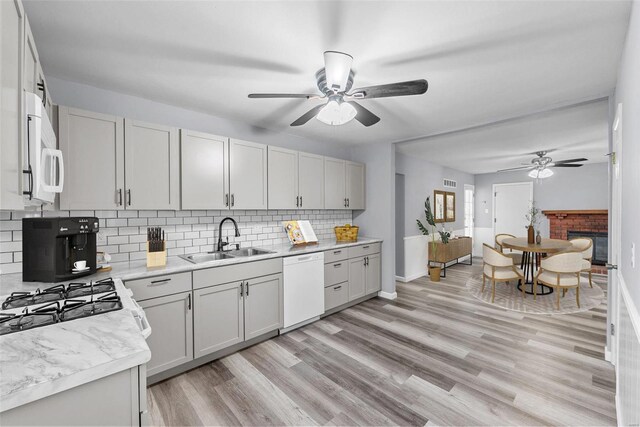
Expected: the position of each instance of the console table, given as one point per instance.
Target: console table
(447, 253)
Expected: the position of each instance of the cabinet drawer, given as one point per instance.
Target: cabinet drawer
(364, 250)
(231, 273)
(159, 286)
(336, 272)
(336, 295)
(336, 255)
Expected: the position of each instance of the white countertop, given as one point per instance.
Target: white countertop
(42, 361)
(138, 269)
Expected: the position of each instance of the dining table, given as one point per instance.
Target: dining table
(532, 254)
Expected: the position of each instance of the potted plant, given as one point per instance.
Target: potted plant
(434, 272)
(532, 216)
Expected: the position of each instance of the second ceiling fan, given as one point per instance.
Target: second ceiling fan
(540, 167)
(335, 81)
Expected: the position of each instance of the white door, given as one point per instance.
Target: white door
(204, 170)
(510, 205)
(247, 175)
(334, 184)
(283, 178)
(614, 254)
(469, 217)
(151, 165)
(92, 146)
(355, 185)
(311, 181)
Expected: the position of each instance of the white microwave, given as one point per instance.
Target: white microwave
(43, 167)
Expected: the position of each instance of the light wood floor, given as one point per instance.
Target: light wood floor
(436, 355)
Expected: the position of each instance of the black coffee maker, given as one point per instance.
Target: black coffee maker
(53, 249)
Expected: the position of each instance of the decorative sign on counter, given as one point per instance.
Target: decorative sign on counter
(300, 232)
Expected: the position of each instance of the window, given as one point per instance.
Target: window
(468, 210)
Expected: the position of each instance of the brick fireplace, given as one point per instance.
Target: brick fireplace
(564, 224)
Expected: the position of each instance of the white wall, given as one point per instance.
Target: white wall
(91, 98)
(569, 188)
(379, 218)
(628, 329)
(421, 178)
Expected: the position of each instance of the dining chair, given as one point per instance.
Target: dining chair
(560, 271)
(584, 245)
(517, 257)
(498, 267)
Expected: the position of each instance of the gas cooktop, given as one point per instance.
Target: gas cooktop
(27, 310)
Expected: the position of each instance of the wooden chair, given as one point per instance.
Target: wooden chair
(517, 257)
(584, 245)
(499, 267)
(560, 271)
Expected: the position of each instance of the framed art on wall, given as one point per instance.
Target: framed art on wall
(439, 206)
(450, 206)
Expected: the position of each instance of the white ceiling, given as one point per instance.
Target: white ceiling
(567, 133)
(484, 60)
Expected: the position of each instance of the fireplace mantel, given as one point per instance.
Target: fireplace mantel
(566, 212)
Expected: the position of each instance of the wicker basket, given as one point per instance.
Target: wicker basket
(346, 233)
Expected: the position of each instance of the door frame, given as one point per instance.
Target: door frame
(473, 207)
(614, 279)
(493, 198)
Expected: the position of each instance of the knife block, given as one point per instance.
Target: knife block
(157, 259)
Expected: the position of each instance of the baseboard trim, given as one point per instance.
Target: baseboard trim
(607, 354)
(634, 314)
(415, 276)
(388, 295)
(401, 279)
(618, 410)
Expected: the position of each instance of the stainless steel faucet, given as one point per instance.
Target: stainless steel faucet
(222, 244)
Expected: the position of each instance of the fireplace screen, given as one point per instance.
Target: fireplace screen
(600, 244)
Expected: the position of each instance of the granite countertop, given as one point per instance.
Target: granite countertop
(40, 362)
(138, 269)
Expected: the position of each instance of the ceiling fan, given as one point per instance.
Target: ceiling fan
(540, 167)
(334, 82)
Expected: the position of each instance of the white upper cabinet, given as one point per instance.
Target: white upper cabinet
(334, 183)
(283, 178)
(11, 111)
(31, 62)
(204, 170)
(355, 185)
(92, 145)
(247, 175)
(151, 166)
(311, 181)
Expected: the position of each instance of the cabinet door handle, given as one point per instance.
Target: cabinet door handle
(345, 202)
(119, 197)
(297, 201)
(335, 288)
(348, 202)
(189, 302)
(247, 288)
(365, 247)
(337, 252)
(337, 265)
(129, 194)
(226, 199)
(233, 200)
(241, 289)
(161, 281)
(300, 201)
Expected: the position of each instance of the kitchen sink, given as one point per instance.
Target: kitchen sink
(249, 252)
(211, 256)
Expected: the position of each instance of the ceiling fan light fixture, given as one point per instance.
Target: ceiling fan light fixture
(336, 113)
(541, 173)
(337, 66)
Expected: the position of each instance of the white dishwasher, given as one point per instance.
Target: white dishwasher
(303, 282)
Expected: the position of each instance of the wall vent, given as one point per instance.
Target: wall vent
(449, 183)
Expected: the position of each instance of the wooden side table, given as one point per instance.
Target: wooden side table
(447, 253)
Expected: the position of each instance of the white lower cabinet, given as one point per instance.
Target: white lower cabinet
(357, 278)
(263, 305)
(218, 318)
(372, 274)
(171, 340)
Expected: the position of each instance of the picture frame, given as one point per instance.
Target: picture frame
(450, 206)
(439, 205)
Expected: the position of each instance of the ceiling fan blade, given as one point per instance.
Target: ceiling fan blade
(519, 168)
(564, 165)
(283, 95)
(413, 87)
(363, 115)
(308, 115)
(570, 161)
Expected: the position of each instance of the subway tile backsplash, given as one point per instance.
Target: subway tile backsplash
(123, 233)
